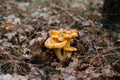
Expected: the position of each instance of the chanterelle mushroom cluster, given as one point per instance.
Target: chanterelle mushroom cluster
(59, 40)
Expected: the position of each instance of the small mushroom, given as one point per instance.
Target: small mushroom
(67, 35)
(60, 40)
(68, 50)
(56, 45)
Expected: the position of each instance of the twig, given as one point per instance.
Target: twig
(115, 48)
(98, 55)
(6, 55)
(107, 61)
(67, 12)
(4, 10)
(105, 51)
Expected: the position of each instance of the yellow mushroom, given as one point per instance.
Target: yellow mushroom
(54, 33)
(74, 33)
(57, 34)
(60, 39)
(68, 50)
(56, 45)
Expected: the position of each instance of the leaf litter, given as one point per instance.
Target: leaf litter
(26, 26)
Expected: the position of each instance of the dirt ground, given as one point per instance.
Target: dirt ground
(25, 26)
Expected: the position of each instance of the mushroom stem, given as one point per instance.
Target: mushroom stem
(66, 54)
(68, 50)
(59, 54)
(68, 43)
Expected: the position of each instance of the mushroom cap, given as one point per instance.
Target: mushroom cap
(57, 34)
(54, 32)
(74, 33)
(54, 43)
(70, 34)
(70, 49)
(67, 35)
(61, 35)
(59, 39)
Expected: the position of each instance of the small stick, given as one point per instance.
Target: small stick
(4, 10)
(71, 15)
(115, 48)
(105, 51)
(98, 55)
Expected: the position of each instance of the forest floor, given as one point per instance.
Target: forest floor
(25, 26)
